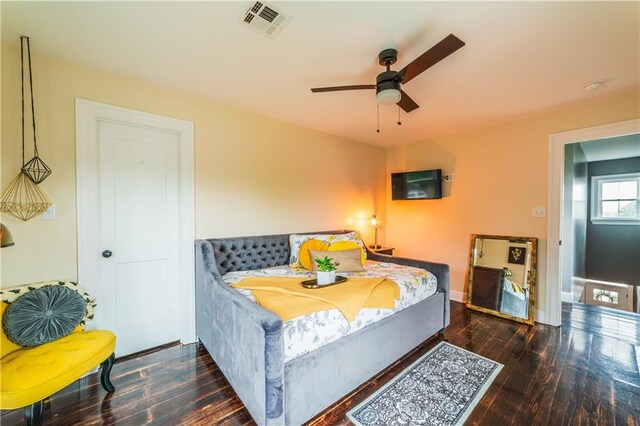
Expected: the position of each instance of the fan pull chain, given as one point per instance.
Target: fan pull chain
(378, 126)
(399, 122)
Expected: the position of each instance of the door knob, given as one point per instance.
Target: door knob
(107, 253)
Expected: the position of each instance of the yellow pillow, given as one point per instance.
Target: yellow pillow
(348, 245)
(296, 241)
(304, 258)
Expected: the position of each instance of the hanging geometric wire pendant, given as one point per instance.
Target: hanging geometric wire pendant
(36, 169)
(23, 199)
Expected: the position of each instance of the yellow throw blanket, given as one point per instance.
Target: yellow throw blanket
(286, 297)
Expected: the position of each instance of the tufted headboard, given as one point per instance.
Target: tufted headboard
(247, 253)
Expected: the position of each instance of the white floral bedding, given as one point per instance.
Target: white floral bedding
(306, 333)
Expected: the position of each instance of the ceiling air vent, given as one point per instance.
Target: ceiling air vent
(264, 19)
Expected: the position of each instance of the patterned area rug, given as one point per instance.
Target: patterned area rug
(441, 388)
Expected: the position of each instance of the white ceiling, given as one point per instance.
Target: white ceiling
(520, 57)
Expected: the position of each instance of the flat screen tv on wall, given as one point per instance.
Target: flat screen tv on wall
(421, 185)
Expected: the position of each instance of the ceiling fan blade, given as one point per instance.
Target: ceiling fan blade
(406, 103)
(339, 88)
(441, 50)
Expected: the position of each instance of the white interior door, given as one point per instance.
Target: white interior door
(138, 196)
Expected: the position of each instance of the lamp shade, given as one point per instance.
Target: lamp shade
(6, 239)
(388, 96)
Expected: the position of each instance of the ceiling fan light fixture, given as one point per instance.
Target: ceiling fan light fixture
(389, 82)
(388, 96)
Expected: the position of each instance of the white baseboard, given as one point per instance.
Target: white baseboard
(540, 317)
(567, 297)
(457, 296)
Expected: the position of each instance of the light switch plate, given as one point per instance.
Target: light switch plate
(539, 212)
(50, 214)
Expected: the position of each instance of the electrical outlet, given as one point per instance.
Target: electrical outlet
(539, 212)
(448, 177)
(50, 214)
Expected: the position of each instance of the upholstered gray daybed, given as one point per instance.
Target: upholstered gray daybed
(246, 340)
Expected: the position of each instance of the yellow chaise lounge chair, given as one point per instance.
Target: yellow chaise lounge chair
(30, 374)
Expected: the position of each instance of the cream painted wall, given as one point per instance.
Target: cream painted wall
(253, 174)
(500, 173)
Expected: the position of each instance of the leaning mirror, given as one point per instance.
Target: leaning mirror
(502, 276)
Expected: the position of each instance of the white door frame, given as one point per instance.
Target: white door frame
(88, 115)
(557, 141)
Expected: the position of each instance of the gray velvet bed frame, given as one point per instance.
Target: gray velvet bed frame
(246, 340)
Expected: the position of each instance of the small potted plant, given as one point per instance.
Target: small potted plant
(326, 273)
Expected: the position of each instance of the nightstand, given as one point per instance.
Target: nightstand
(382, 250)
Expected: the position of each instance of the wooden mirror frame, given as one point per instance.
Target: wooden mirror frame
(531, 277)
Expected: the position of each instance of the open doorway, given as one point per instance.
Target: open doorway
(601, 223)
(555, 236)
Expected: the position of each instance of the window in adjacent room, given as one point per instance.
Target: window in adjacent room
(615, 199)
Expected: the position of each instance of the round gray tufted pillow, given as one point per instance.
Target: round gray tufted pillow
(43, 315)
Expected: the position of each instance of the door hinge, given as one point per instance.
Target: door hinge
(560, 242)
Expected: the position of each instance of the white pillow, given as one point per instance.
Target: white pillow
(296, 240)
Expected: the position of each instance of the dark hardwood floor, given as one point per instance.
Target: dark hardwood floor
(585, 372)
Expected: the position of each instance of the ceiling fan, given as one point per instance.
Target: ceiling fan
(388, 83)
